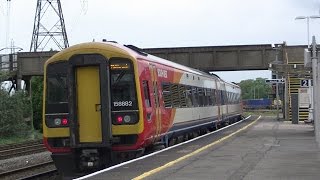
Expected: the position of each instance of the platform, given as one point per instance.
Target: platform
(266, 149)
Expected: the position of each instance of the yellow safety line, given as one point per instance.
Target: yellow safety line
(169, 164)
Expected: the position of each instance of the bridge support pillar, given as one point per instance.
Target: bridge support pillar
(29, 90)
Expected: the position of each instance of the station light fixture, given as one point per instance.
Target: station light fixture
(308, 19)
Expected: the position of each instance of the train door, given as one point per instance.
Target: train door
(223, 99)
(88, 96)
(156, 107)
(218, 100)
(89, 101)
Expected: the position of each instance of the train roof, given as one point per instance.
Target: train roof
(134, 52)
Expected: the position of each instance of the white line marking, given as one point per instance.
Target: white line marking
(157, 152)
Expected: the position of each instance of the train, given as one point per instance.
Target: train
(257, 103)
(104, 102)
(264, 103)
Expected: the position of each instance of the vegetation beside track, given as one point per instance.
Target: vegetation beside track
(16, 122)
(34, 135)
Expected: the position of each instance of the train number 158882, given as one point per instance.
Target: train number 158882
(122, 103)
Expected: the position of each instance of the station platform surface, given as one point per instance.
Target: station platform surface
(262, 149)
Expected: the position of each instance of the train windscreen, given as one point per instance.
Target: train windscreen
(123, 91)
(56, 88)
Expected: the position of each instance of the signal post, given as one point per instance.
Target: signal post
(276, 81)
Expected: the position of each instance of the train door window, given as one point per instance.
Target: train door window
(225, 97)
(146, 93)
(204, 97)
(222, 97)
(195, 96)
(208, 94)
(189, 96)
(175, 95)
(237, 98)
(233, 98)
(123, 89)
(182, 95)
(166, 93)
(219, 94)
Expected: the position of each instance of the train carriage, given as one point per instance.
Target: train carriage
(104, 100)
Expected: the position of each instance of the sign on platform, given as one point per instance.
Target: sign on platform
(306, 82)
(274, 81)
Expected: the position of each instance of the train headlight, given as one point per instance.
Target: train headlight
(124, 118)
(57, 121)
(127, 119)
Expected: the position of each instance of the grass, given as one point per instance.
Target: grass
(35, 135)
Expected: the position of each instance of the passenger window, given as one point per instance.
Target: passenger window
(175, 95)
(166, 93)
(195, 97)
(201, 96)
(182, 95)
(189, 96)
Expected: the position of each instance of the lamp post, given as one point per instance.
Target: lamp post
(308, 19)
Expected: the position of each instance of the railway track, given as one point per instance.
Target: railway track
(19, 149)
(40, 170)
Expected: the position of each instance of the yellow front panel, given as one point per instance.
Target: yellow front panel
(88, 101)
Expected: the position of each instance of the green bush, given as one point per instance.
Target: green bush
(13, 110)
(37, 87)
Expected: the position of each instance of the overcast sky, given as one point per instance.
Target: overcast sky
(171, 23)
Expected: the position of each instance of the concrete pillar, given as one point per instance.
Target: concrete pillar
(316, 82)
(295, 108)
(286, 98)
(29, 90)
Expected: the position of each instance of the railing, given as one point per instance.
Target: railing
(8, 62)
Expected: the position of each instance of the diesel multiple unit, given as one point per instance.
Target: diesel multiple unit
(105, 101)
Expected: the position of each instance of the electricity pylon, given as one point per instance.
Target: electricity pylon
(49, 26)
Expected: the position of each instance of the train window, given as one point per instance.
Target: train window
(166, 93)
(56, 90)
(225, 100)
(223, 97)
(219, 96)
(195, 96)
(182, 95)
(175, 95)
(146, 93)
(208, 97)
(201, 96)
(123, 89)
(205, 97)
(189, 96)
(213, 97)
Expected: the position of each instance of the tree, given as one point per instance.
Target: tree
(37, 88)
(13, 110)
(255, 89)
